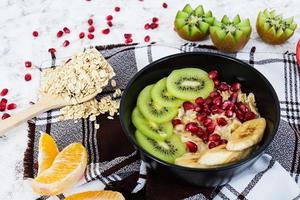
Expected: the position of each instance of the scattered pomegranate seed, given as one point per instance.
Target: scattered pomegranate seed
(176, 122)
(227, 104)
(200, 133)
(109, 17)
(105, 31)
(221, 121)
(154, 19)
(205, 137)
(81, 35)
(2, 107)
(214, 94)
(214, 109)
(235, 87)
(192, 127)
(59, 34)
(128, 40)
(27, 77)
(211, 128)
(249, 115)
(66, 30)
(212, 145)
(197, 109)
(4, 92)
(214, 137)
(187, 105)
(243, 108)
(233, 97)
(109, 23)
(223, 141)
(90, 21)
(117, 9)
(208, 101)
(199, 101)
(164, 5)
(153, 25)
(90, 36)
(28, 64)
(147, 26)
(66, 43)
(217, 101)
(213, 74)
(5, 116)
(223, 86)
(35, 34)
(207, 122)
(127, 35)
(11, 106)
(191, 146)
(91, 29)
(52, 50)
(147, 38)
(201, 117)
(216, 82)
(4, 101)
(228, 113)
(240, 115)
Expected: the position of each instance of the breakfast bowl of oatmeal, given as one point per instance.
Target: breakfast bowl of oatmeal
(203, 117)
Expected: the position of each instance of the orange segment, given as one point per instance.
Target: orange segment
(97, 195)
(47, 152)
(66, 170)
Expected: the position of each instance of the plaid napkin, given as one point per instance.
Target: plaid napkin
(114, 164)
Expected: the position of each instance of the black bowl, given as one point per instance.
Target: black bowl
(230, 70)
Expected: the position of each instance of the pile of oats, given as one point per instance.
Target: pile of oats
(86, 73)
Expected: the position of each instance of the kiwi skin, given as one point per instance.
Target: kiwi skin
(195, 37)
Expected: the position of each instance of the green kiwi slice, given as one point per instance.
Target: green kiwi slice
(160, 95)
(189, 83)
(193, 24)
(230, 36)
(167, 150)
(151, 129)
(273, 29)
(153, 111)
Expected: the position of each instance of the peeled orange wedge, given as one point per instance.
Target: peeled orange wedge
(97, 195)
(47, 152)
(66, 170)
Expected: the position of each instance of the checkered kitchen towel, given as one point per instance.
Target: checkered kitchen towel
(114, 164)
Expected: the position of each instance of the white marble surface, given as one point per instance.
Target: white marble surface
(19, 18)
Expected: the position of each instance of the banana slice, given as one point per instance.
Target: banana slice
(248, 134)
(252, 104)
(189, 160)
(221, 156)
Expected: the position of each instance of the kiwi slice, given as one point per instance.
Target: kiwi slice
(153, 111)
(230, 36)
(193, 24)
(273, 29)
(189, 83)
(160, 94)
(151, 129)
(167, 150)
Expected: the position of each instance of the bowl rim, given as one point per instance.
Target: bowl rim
(257, 153)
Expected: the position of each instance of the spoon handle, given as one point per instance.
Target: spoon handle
(34, 110)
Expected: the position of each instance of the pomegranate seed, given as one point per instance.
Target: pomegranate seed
(212, 145)
(127, 35)
(4, 92)
(191, 146)
(153, 25)
(200, 133)
(4, 101)
(205, 137)
(221, 121)
(5, 116)
(2, 107)
(27, 77)
(223, 86)
(90, 21)
(11, 106)
(154, 19)
(227, 104)
(228, 113)
(233, 97)
(105, 31)
(128, 40)
(81, 35)
(91, 29)
(240, 115)
(219, 111)
(214, 109)
(35, 34)
(109, 17)
(164, 5)
(235, 87)
(207, 122)
(187, 105)
(52, 50)
(214, 94)
(201, 117)
(211, 128)
(213, 74)
(223, 141)
(59, 34)
(192, 127)
(147, 38)
(66, 43)
(208, 101)
(199, 101)
(90, 36)
(214, 137)
(176, 122)
(147, 26)
(66, 30)
(249, 115)
(243, 108)
(117, 9)
(28, 64)
(217, 101)
(197, 109)
(109, 23)
(216, 82)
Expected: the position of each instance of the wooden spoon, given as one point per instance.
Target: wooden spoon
(45, 103)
